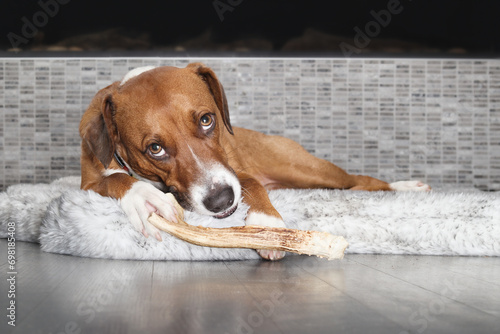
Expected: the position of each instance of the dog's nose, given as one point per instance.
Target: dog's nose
(220, 198)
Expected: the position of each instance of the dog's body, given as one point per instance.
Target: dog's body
(167, 130)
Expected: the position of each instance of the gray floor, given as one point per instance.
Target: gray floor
(360, 294)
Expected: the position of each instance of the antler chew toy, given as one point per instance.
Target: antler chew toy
(321, 244)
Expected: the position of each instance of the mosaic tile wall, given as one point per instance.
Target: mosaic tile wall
(437, 120)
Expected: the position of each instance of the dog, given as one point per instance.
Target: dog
(167, 130)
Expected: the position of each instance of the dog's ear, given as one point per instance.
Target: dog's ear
(216, 89)
(97, 127)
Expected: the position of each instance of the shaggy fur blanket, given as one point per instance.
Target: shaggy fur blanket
(67, 220)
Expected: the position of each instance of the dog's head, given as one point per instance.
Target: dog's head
(167, 125)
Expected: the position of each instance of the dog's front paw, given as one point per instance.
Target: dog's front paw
(141, 200)
(261, 219)
(409, 186)
(271, 255)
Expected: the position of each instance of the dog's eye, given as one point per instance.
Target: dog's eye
(206, 121)
(157, 151)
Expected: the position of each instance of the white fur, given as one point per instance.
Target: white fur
(134, 204)
(110, 171)
(195, 157)
(67, 220)
(409, 186)
(135, 72)
(261, 219)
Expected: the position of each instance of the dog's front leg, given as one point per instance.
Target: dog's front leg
(261, 211)
(138, 200)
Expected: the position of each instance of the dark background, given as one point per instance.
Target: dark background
(276, 26)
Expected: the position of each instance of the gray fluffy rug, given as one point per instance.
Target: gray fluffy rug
(67, 220)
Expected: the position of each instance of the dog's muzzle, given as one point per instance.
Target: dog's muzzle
(217, 194)
(220, 201)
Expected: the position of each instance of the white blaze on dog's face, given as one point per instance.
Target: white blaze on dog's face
(174, 120)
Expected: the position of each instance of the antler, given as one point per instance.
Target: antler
(321, 244)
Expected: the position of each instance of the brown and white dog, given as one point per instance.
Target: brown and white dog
(167, 130)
